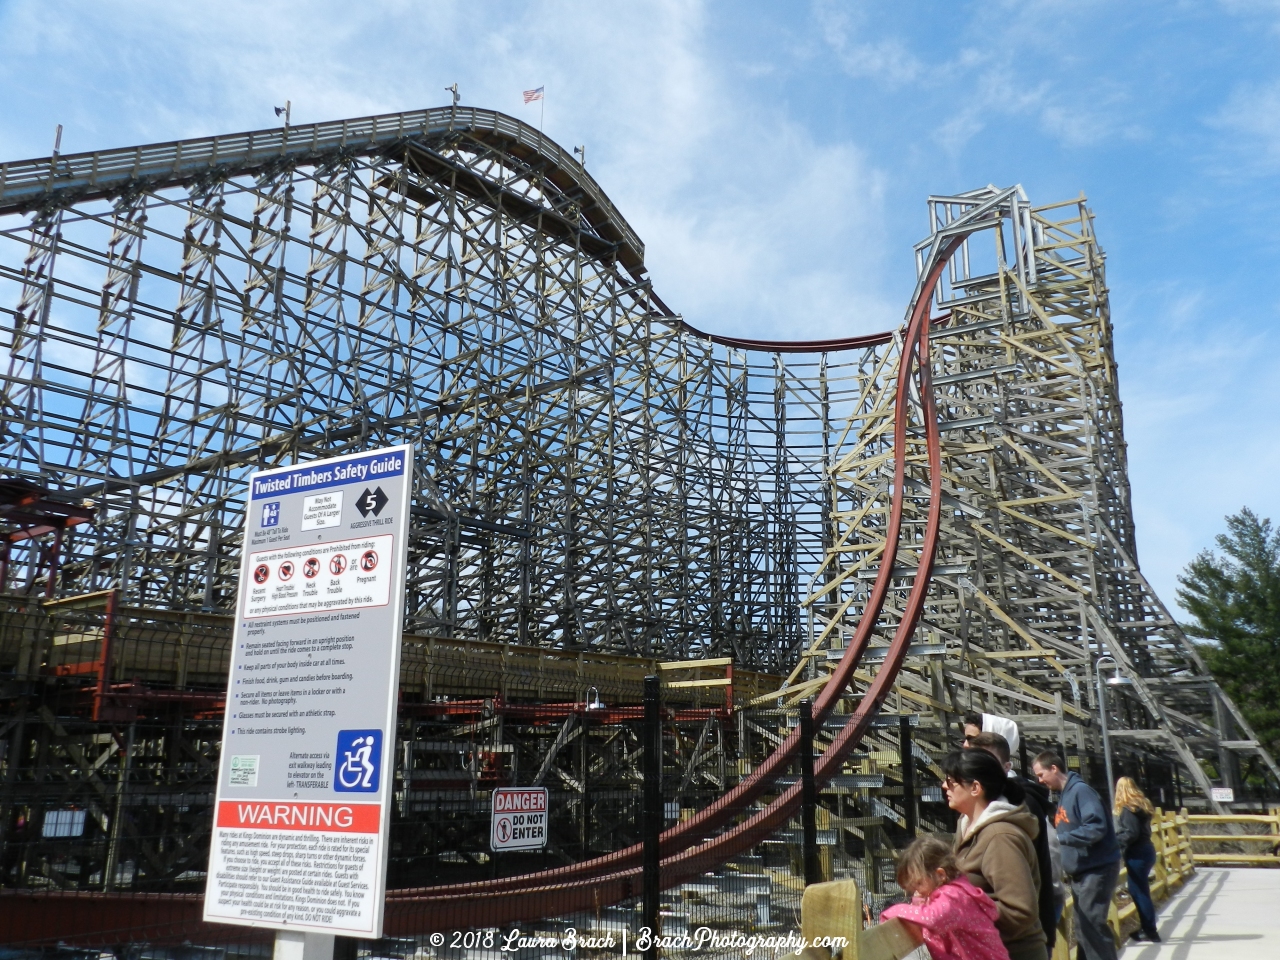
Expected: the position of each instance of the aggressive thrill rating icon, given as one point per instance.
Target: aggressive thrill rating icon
(371, 502)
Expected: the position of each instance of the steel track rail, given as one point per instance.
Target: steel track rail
(454, 908)
(100, 918)
(587, 885)
(717, 815)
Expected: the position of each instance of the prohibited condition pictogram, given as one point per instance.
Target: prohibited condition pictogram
(338, 565)
(286, 570)
(260, 573)
(311, 567)
(368, 560)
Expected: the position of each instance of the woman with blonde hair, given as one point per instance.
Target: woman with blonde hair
(1133, 834)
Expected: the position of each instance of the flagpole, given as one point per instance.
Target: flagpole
(542, 109)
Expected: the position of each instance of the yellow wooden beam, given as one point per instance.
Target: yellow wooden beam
(1047, 527)
(691, 664)
(1078, 587)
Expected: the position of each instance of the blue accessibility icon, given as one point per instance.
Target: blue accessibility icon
(358, 761)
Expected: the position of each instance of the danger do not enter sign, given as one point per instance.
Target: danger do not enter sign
(519, 819)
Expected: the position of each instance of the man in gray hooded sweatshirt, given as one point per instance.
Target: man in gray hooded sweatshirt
(1090, 854)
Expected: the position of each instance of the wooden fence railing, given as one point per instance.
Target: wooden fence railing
(1253, 848)
(1176, 860)
(1171, 836)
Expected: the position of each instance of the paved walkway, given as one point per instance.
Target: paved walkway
(1220, 913)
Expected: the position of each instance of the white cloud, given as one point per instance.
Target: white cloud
(748, 221)
(1005, 61)
(887, 60)
(1197, 386)
(1250, 119)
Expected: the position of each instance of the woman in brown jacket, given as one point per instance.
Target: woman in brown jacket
(995, 849)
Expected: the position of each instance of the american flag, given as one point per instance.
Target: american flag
(532, 95)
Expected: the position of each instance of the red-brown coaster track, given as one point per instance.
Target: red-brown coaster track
(688, 849)
(616, 877)
(453, 277)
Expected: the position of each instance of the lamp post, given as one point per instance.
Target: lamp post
(1116, 679)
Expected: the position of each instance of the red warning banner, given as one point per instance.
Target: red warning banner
(288, 815)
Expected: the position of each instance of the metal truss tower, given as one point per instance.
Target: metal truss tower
(599, 485)
(1037, 577)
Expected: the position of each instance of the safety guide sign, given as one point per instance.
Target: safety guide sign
(304, 787)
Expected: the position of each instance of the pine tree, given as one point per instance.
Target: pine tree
(1235, 600)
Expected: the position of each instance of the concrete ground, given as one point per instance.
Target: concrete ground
(1219, 913)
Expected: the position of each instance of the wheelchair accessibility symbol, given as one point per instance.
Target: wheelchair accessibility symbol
(359, 761)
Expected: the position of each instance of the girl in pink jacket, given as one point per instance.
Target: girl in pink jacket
(957, 918)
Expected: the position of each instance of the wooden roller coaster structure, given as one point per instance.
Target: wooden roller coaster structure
(923, 522)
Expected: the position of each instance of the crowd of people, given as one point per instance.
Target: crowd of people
(998, 889)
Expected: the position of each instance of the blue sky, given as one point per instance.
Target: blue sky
(775, 158)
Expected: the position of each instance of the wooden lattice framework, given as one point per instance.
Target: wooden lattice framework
(595, 477)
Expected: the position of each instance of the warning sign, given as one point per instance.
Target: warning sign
(519, 818)
(299, 838)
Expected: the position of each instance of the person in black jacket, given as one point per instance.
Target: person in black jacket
(1133, 835)
(1037, 800)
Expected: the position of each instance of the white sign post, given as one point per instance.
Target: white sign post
(519, 819)
(304, 787)
(1223, 794)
